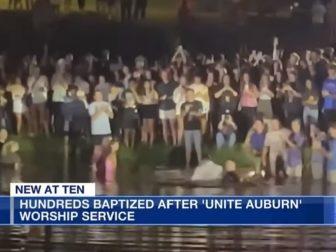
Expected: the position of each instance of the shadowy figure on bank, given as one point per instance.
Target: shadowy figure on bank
(81, 4)
(140, 9)
(126, 9)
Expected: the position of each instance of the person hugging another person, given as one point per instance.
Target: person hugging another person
(191, 112)
(295, 143)
(226, 135)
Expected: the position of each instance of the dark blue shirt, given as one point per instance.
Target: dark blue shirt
(330, 86)
(257, 141)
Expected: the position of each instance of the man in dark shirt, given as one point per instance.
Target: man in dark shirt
(191, 111)
(320, 66)
(77, 118)
(167, 107)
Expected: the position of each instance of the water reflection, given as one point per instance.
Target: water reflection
(174, 182)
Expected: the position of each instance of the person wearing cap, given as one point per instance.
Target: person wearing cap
(329, 95)
(226, 135)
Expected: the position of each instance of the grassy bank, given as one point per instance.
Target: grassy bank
(43, 158)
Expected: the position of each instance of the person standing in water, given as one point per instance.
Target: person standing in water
(107, 163)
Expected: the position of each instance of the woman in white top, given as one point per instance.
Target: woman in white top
(265, 99)
(17, 91)
(179, 99)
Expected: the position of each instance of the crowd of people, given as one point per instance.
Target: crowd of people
(276, 104)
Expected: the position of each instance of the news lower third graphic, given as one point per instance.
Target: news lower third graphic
(77, 204)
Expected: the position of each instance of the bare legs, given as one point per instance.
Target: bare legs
(148, 131)
(129, 137)
(18, 117)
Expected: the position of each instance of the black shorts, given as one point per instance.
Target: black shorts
(98, 139)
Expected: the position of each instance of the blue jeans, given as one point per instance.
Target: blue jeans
(310, 114)
(224, 140)
(193, 138)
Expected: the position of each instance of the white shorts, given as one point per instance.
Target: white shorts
(18, 106)
(167, 114)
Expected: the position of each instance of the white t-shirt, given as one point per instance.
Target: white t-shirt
(101, 124)
(39, 88)
(318, 13)
(179, 99)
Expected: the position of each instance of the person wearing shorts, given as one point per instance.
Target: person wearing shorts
(100, 112)
(17, 92)
(167, 112)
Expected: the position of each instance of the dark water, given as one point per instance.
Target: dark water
(200, 238)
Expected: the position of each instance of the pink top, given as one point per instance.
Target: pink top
(110, 170)
(248, 100)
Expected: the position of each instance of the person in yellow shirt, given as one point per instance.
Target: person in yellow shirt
(202, 95)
